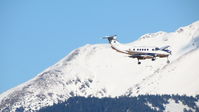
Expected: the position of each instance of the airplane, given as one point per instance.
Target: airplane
(139, 52)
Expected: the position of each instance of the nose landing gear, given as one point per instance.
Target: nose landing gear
(168, 60)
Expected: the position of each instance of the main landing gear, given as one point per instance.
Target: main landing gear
(139, 61)
(153, 59)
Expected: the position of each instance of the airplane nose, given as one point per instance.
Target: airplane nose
(167, 51)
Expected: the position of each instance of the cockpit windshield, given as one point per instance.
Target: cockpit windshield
(157, 48)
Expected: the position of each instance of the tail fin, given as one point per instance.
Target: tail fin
(110, 38)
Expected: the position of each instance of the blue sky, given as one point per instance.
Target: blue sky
(35, 34)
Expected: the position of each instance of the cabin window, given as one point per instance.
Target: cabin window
(152, 49)
(157, 48)
(133, 49)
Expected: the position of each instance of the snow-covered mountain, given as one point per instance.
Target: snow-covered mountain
(97, 70)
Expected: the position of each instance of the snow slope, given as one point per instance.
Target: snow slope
(97, 70)
(172, 106)
(179, 77)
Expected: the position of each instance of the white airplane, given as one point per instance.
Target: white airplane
(139, 52)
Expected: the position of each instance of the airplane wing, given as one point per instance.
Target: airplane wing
(143, 56)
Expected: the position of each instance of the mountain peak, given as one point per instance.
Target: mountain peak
(153, 35)
(97, 70)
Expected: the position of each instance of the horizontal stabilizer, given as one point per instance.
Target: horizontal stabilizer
(110, 37)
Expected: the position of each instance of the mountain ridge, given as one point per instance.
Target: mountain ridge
(97, 70)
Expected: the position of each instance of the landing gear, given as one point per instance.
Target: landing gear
(168, 60)
(138, 61)
(153, 59)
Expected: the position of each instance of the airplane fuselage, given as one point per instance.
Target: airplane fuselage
(133, 50)
(139, 52)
